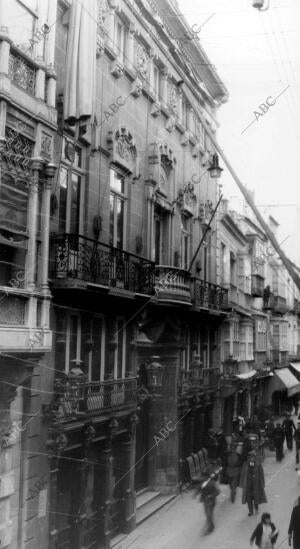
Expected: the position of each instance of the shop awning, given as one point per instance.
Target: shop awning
(247, 375)
(296, 366)
(288, 381)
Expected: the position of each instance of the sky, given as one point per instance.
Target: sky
(257, 55)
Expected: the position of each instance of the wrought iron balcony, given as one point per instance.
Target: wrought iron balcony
(77, 398)
(209, 296)
(79, 257)
(211, 376)
(172, 285)
(257, 285)
(297, 306)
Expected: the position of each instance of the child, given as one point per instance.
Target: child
(265, 534)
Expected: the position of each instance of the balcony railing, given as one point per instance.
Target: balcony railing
(210, 296)
(73, 399)
(210, 376)
(275, 303)
(257, 286)
(78, 257)
(172, 284)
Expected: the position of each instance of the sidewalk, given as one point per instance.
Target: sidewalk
(180, 525)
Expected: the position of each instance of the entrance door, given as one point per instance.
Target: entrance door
(68, 502)
(141, 459)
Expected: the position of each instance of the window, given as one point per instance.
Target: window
(161, 236)
(185, 242)
(117, 209)
(261, 335)
(232, 269)
(223, 264)
(120, 40)
(116, 364)
(95, 348)
(70, 192)
(13, 203)
(156, 82)
(80, 341)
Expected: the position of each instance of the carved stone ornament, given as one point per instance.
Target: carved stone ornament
(89, 434)
(185, 138)
(197, 149)
(172, 97)
(113, 427)
(156, 109)
(46, 146)
(117, 69)
(205, 211)
(137, 87)
(123, 150)
(142, 61)
(103, 9)
(171, 124)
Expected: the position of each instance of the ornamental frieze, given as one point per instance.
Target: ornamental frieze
(123, 150)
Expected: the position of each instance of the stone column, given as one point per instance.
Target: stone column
(128, 448)
(5, 43)
(40, 82)
(45, 233)
(32, 216)
(107, 461)
(51, 87)
(189, 118)
(4, 10)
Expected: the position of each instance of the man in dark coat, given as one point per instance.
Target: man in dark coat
(294, 527)
(297, 442)
(210, 443)
(289, 427)
(278, 438)
(252, 483)
(209, 492)
(233, 470)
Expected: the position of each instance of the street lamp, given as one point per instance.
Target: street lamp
(154, 374)
(261, 5)
(214, 170)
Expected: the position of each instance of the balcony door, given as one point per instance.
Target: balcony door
(160, 236)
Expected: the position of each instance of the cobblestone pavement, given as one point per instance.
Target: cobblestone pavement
(180, 525)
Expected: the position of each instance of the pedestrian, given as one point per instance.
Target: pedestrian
(294, 527)
(270, 427)
(209, 492)
(265, 534)
(256, 426)
(233, 470)
(252, 483)
(289, 427)
(297, 442)
(278, 438)
(210, 443)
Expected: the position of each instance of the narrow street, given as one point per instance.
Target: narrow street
(181, 524)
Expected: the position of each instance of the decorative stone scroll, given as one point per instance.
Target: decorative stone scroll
(123, 150)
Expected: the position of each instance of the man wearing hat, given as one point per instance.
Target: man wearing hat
(209, 492)
(253, 483)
